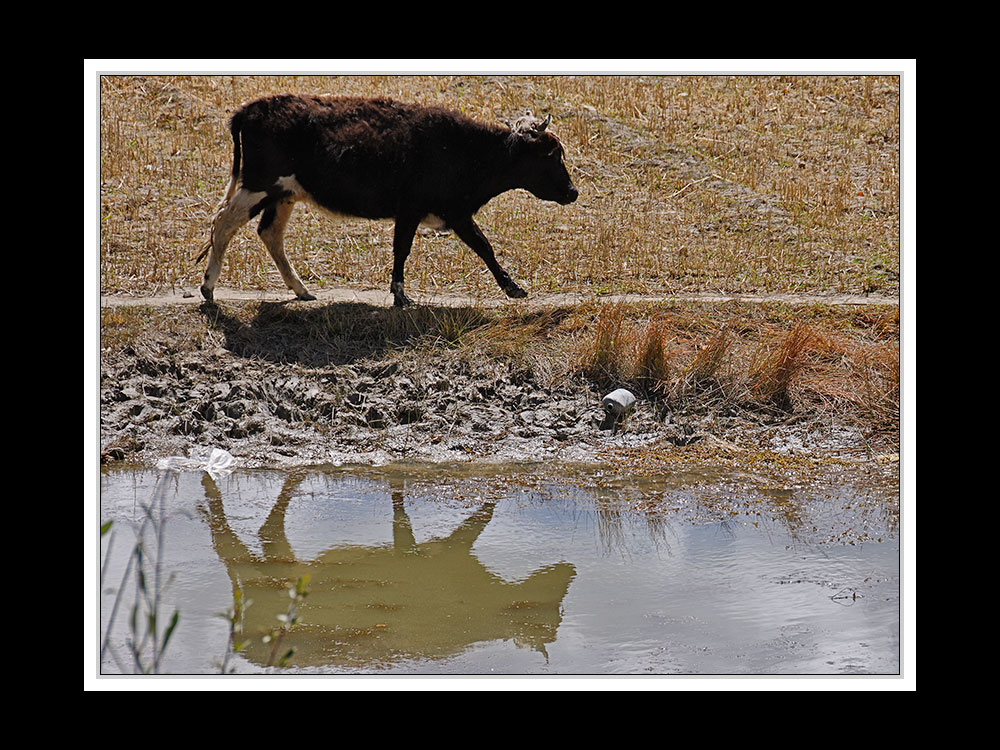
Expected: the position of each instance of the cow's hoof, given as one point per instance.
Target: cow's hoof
(305, 297)
(208, 294)
(399, 298)
(515, 292)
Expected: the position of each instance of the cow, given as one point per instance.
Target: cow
(379, 159)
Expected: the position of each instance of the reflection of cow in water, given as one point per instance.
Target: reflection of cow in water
(371, 606)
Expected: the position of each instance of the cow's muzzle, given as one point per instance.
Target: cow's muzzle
(570, 196)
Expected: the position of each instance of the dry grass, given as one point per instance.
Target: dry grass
(604, 359)
(747, 183)
(773, 368)
(653, 368)
(768, 360)
(709, 359)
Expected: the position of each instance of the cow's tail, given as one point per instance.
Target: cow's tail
(235, 125)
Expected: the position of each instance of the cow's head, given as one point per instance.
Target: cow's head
(538, 159)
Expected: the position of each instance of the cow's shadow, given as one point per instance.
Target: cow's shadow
(340, 333)
(375, 605)
(336, 333)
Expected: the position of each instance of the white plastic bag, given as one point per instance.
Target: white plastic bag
(219, 463)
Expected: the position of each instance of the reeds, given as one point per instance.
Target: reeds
(879, 369)
(604, 358)
(148, 633)
(707, 362)
(652, 361)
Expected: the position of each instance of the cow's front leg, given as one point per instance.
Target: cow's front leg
(470, 233)
(402, 241)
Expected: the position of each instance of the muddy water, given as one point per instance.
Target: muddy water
(415, 571)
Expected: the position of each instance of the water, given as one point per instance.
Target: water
(415, 572)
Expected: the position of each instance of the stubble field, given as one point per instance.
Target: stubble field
(700, 183)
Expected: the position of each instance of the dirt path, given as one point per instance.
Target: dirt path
(384, 298)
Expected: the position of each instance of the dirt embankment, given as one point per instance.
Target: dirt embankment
(275, 400)
(300, 384)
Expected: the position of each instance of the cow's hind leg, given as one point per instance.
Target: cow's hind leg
(235, 211)
(271, 231)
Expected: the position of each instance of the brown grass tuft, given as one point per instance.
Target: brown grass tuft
(604, 358)
(652, 363)
(774, 367)
(710, 357)
(879, 367)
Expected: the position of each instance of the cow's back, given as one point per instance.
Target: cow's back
(352, 155)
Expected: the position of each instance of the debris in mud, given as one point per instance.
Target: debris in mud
(219, 463)
(617, 405)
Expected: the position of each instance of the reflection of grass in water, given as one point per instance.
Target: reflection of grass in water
(706, 482)
(615, 503)
(615, 516)
(827, 499)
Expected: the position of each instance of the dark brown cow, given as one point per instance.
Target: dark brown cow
(378, 159)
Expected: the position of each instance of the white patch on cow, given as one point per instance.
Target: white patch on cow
(234, 185)
(235, 214)
(232, 214)
(299, 193)
(292, 185)
(434, 222)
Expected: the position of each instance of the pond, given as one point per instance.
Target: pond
(463, 570)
